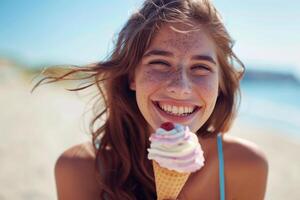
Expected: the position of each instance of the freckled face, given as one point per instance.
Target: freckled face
(177, 79)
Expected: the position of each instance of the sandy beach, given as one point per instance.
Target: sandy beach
(36, 128)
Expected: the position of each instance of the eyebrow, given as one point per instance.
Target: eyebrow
(158, 52)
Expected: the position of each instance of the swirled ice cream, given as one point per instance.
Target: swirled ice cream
(175, 147)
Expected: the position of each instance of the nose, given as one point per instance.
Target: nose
(179, 85)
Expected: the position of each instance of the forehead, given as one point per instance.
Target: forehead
(182, 38)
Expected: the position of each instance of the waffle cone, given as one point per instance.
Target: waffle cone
(168, 183)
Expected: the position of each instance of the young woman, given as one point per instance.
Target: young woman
(173, 61)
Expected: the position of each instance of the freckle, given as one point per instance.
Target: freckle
(184, 42)
(151, 76)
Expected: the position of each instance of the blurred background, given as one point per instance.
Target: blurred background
(35, 128)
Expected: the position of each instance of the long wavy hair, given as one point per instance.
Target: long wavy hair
(122, 168)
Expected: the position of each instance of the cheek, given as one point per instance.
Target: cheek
(207, 87)
(149, 78)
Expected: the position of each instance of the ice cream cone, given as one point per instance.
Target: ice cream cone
(168, 183)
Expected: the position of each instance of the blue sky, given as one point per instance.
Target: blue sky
(267, 33)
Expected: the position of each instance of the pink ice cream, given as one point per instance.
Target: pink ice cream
(175, 147)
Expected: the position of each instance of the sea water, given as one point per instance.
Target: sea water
(274, 104)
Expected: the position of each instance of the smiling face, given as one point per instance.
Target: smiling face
(177, 79)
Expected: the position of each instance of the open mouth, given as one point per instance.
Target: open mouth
(176, 111)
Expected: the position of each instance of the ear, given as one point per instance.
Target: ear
(132, 84)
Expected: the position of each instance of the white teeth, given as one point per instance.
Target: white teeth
(169, 109)
(181, 110)
(175, 110)
(165, 107)
(186, 110)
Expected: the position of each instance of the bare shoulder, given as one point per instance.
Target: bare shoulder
(246, 166)
(75, 173)
(239, 149)
(82, 153)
